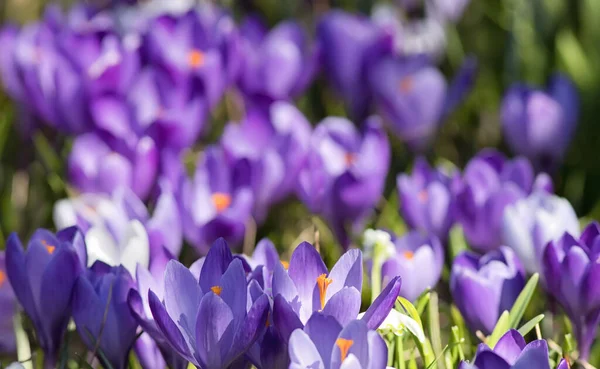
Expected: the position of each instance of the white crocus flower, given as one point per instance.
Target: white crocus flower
(378, 242)
(132, 249)
(93, 209)
(398, 323)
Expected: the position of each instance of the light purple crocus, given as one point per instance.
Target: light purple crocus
(43, 278)
(8, 309)
(324, 343)
(419, 258)
(540, 123)
(206, 321)
(100, 164)
(344, 174)
(414, 97)
(263, 261)
(427, 198)
(484, 286)
(102, 292)
(268, 148)
(215, 202)
(349, 46)
(278, 64)
(490, 182)
(511, 352)
(571, 271)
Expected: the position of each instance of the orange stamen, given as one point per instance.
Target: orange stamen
(406, 84)
(267, 324)
(349, 158)
(48, 247)
(409, 255)
(323, 282)
(196, 58)
(344, 346)
(423, 195)
(285, 264)
(2, 277)
(217, 290)
(221, 201)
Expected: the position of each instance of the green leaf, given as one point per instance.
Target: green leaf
(527, 327)
(518, 309)
(502, 326)
(434, 330)
(422, 301)
(457, 241)
(410, 310)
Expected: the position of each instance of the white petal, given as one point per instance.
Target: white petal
(101, 246)
(135, 248)
(64, 214)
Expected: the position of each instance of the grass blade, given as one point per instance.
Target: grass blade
(527, 327)
(518, 309)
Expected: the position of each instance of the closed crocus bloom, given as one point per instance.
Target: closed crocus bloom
(43, 278)
(213, 203)
(102, 292)
(414, 97)
(324, 343)
(349, 46)
(98, 165)
(540, 123)
(278, 64)
(490, 183)
(263, 261)
(8, 309)
(418, 256)
(427, 198)
(484, 286)
(571, 270)
(344, 174)
(207, 321)
(530, 223)
(510, 352)
(268, 149)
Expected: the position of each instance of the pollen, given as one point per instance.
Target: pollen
(406, 85)
(221, 201)
(217, 290)
(285, 264)
(2, 278)
(408, 255)
(323, 282)
(196, 58)
(349, 158)
(344, 346)
(49, 248)
(423, 195)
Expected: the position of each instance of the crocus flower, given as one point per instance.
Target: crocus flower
(427, 198)
(489, 184)
(571, 271)
(213, 204)
(269, 148)
(278, 64)
(484, 286)
(350, 44)
(324, 343)
(510, 352)
(207, 321)
(43, 278)
(97, 164)
(540, 123)
(265, 257)
(414, 97)
(8, 309)
(419, 256)
(307, 286)
(530, 223)
(344, 174)
(102, 292)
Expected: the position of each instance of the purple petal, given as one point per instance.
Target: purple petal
(253, 326)
(217, 261)
(347, 272)
(305, 267)
(323, 331)
(344, 305)
(383, 304)
(510, 345)
(303, 352)
(534, 356)
(213, 321)
(284, 317)
(234, 292)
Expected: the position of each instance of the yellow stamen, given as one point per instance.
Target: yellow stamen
(409, 255)
(196, 58)
(349, 158)
(285, 264)
(221, 201)
(2, 277)
(406, 84)
(217, 290)
(323, 282)
(49, 248)
(344, 346)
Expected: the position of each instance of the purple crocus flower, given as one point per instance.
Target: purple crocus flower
(489, 184)
(427, 198)
(511, 352)
(484, 286)
(307, 286)
(350, 44)
(414, 97)
(8, 309)
(571, 271)
(99, 165)
(102, 292)
(324, 343)
(419, 256)
(265, 258)
(43, 279)
(540, 124)
(207, 321)
(344, 174)
(269, 148)
(279, 64)
(214, 203)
